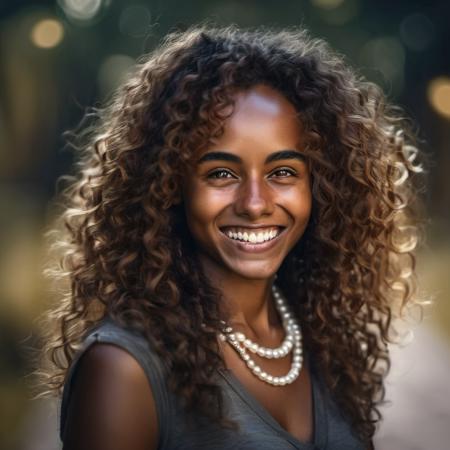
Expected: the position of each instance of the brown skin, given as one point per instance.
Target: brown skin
(222, 193)
(112, 405)
(252, 192)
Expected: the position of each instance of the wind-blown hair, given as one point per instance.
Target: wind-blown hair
(127, 252)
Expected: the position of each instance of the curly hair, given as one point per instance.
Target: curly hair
(126, 251)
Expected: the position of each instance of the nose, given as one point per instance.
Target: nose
(254, 199)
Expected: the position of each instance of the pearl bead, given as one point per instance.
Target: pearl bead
(240, 337)
(292, 342)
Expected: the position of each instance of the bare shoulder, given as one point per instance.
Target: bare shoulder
(112, 405)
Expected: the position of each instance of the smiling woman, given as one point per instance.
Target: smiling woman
(237, 243)
(233, 199)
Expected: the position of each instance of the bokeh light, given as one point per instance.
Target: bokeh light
(47, 33)
(337, 12)
(417, 31)
(327, 4)
(60, 57)
(82, 10)
(439, 95)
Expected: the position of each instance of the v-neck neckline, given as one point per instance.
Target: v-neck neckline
(319, 413)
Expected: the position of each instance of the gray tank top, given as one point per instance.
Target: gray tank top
(258, 429)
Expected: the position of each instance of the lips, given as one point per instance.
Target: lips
(251, 238)
(248, 230)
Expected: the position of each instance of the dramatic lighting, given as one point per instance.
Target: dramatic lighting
(81, 10)
(439, 95)
(47, 33)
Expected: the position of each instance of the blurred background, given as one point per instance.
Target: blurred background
(58, 57)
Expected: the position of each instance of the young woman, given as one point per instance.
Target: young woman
(239, 237)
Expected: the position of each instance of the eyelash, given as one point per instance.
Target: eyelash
(212, 174)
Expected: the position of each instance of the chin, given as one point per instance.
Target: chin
(256, 272)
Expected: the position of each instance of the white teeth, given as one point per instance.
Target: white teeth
(254, 238)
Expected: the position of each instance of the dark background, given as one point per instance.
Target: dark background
(59, 57)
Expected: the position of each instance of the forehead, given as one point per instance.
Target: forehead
(261, 116)
(264, 100)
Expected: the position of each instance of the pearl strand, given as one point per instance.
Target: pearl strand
(292, 342)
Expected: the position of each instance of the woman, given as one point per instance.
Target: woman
(239, 238)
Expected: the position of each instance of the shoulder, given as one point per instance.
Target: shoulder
(104, 359)
(132, 341)
(112, 403)
(109, 396)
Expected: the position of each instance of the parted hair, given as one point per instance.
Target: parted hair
(123, 249)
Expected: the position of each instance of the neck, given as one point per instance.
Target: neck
(247, 304)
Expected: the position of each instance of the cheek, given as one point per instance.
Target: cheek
(300, 208)
(203, 207)
(299, 202)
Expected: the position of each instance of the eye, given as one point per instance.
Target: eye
(220, 174)
(284, 173)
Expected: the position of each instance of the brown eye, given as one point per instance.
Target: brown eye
(221, 173)
(284, 173)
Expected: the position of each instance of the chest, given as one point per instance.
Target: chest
(290, 405)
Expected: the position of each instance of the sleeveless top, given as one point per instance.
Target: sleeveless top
(257, 427)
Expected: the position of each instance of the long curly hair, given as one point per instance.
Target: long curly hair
(124, 249)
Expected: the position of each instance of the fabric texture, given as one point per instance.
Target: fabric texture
(258, 429)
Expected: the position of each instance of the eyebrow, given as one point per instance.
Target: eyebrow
(276, 156)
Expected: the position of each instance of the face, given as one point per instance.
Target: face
(248, 198)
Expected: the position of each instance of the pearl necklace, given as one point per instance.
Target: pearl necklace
(292, 342)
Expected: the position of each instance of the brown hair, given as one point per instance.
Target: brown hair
(126, 247)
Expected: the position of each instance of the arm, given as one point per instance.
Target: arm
(112, 405)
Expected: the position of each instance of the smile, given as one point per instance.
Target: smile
(250, 239)
(253, 236)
